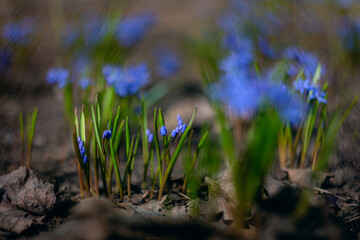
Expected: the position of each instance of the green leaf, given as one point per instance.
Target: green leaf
(177, 151)
(144, 127)
(118, 137)
(77, 123)
(82, 125)
(32, 127)
(98, 115)
(330, 137)
(317, 74)
(98, 141)
(116, 122)
(107, 102)
(251, 170)
(127, 136)
(129, 158)
(157, 147)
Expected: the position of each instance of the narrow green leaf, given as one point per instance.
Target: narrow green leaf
(117, 172)
(98, 115)
(116, 122)
(157, 147)
(127, 136)
(107, 102)
(128, 161)
(317, 74)
(144, 127)
(77, 123)
(178, 148)
(98, 137)
(82, 125)
(118, 137)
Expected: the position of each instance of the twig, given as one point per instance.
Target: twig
(327, 192)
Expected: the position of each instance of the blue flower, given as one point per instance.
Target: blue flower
(265, 48)
(19, 32)
(237, 67)
(174, 133)
(150, 137)
(95, 29)
(304, 59)
(5, 58)
(179, 120)
(163, 131)
(107, 134)
(246, 98)
(132, 29)
(69, 36)
(183, 128)
(239, 44)
(126, 80)
(82, 70)
(318, 95)
(168, 62)
(57, 75)
(302, 86)
(85, 159)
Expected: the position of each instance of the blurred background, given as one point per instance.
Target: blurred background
(172, 38)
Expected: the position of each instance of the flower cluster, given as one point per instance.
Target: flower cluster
(301, 58)
(168, 62)
(181, 127)
(82, 150)
(57, 75)
(304, 87)
(132, 29)
(126, 80)
(19, 32)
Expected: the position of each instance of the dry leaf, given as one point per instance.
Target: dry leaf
(23, 189)
(16, 220)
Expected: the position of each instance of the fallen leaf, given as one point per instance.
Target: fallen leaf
(23, 189)
(15, 220)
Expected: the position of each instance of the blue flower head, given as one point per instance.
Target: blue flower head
(107, 134)
(5, 58)
(174, 132)
(132, 29)
(246, 98)
(95, 29)
(150, 137)
(85, 159)
(180, 122)
(70, 35)
(163, 131)
(82, 70)
(302, 86)
(318, 95)
(57, 75)
(168, 62)
(20, 32)
(304, 59)
(126, 80)
(183, 128)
